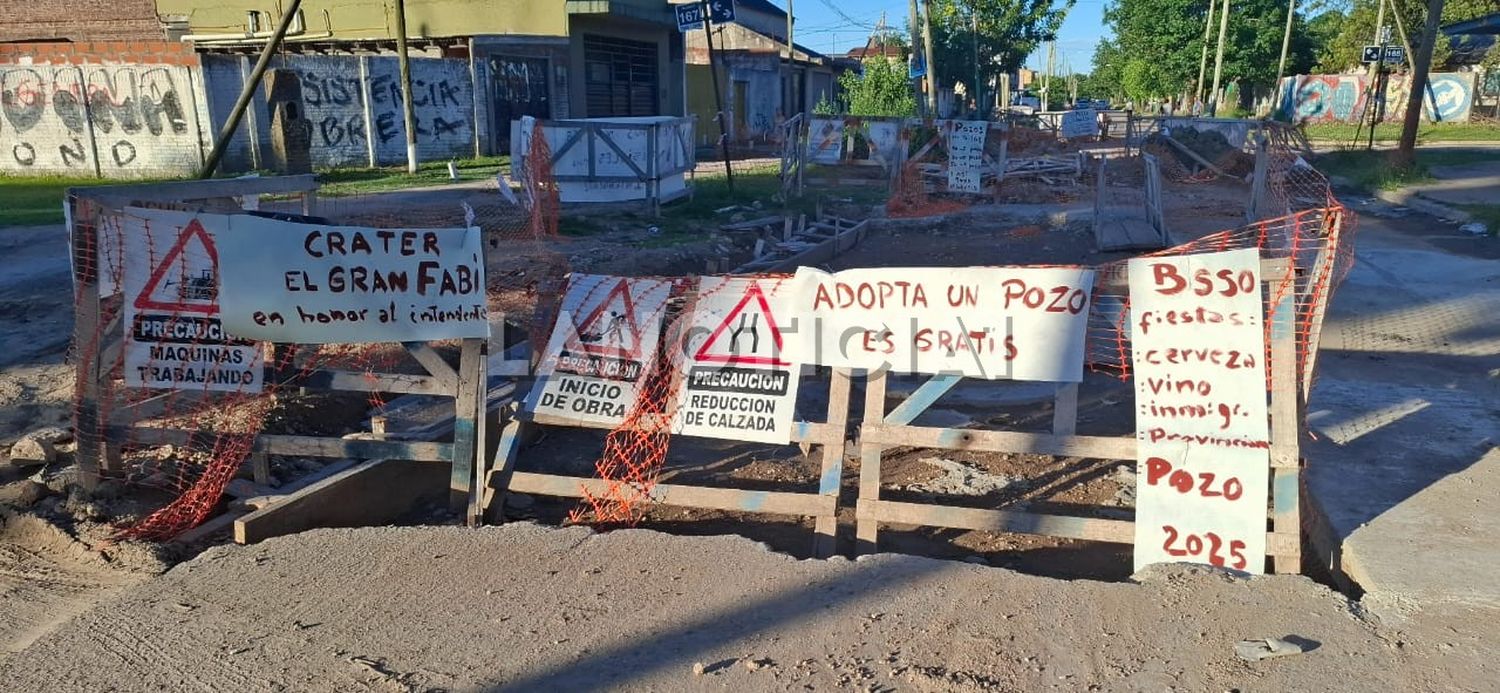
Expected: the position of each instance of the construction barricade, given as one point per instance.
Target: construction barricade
(203, 329)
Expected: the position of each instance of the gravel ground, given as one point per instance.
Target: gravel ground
(527, 608)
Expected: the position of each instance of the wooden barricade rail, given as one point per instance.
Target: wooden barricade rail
(99, 346)
(882, 430)
(828, 436)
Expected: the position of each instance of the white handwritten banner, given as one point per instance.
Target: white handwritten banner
(1198, 341)
(174, 338)
(314, 284)
(601, 348)
(966, 155)
(1018, 323)
(739, 384)
(1081, 122)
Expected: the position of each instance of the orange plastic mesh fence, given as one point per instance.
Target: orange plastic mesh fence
(217, 430)
(1314, 241)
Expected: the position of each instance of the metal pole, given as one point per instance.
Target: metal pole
(1213, 103)
(713, 70)
(1208, 25)
(1286, 40)
(409, 114)
(932, 73)
(916, 40)
(247, 91)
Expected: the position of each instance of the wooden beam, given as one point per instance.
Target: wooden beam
(472, 379)
(1095, 447)
(434, 363)
(305, 446)
(831, 474)
(979, 519)
(184, 191)
(373, 493)
(737, 500)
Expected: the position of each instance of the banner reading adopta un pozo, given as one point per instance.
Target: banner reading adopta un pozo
(314, 284)
(1018, 323)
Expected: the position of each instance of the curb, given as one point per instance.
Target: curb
(1425, 205)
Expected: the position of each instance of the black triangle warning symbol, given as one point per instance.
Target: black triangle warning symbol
(610, 329)
(174, 288)
(753, 337)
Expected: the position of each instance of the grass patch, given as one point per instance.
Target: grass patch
(340, 182)
(1372, 170)
(1391, 132)
(36, 200)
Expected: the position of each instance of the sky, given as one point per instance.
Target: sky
(821, 27)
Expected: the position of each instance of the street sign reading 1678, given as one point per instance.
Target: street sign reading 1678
(689, 16)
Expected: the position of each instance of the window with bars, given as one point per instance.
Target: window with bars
(620, 77)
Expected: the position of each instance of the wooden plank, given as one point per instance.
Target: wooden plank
(1194, 155)
(866, 532)
(831, 474)
(1095, 529)
(355, 381)
(305, 446)
(923, 397)
(181, 191)
(1322, 277)
(1094, 447)
(434, 363)
(1065, 410)
(980, 519)
(373, 493)
(1286, 424)
(466, 411)
(224, 521)
(736, 500)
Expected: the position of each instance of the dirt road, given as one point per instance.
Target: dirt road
(36, 323)
(527, 608)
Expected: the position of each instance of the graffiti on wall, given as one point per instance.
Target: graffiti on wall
(347, 113)
(99, 119)
(1344, 98)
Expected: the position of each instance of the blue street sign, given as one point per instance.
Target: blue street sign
(721, 11)
(1395, 54)
(689, 16)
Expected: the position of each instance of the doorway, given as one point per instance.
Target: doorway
(518, 87)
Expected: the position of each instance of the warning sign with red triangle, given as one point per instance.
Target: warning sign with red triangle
(609, 327)
(747, 335)
(185, 280)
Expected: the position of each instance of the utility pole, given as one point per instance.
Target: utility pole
(1286, 40)
(1213, 103)
(409, 115)
(916, 40)
(713, 69)
(932, 73)
(974, 29)
(247, 92)
(1406, 154)
(1047, 79)
(791, 69)
(1208, 25)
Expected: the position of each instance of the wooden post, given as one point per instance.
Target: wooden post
(471, 382)
(832, 473)
(1286, 424)
(89, 334)
(867, 531)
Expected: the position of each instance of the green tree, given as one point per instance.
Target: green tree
(1158, 44)
(1356, 29)
(1002, 32)
(881, 88)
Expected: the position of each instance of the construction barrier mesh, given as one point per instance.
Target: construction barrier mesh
(191, 443)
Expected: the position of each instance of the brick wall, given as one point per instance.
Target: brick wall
(110, 109)
(80, 20)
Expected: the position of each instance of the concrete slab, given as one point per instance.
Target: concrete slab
(1404, 476)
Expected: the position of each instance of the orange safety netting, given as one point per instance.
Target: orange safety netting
(191, 443)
